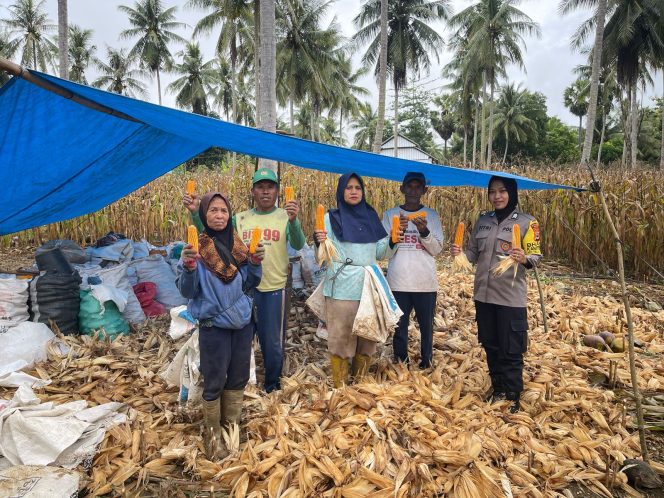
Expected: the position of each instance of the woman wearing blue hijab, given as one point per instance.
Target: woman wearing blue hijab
(360, 240)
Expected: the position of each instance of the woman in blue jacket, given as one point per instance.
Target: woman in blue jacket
(218, 280)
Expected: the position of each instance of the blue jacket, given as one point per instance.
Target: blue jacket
(226, 306)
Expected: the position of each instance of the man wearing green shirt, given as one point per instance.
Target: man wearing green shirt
(278, 227)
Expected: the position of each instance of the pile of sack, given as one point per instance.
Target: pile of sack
(101, 289)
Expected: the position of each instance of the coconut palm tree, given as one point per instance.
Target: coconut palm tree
(494, 30)
(195, 81)
(511, 116)
(345, 98)
(267, 108)
(234, 18)
(410, 39)
(29, 28)
(365, 124)
(120, 74)
(81, 53)
(632, 39)
(153, 25)
(308, 54)
(575, 98)
(63, 45)
(382, 77)
(600, 16)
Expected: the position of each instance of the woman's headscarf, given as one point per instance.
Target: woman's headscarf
(359, 223)
(512, 201)
(222, 251)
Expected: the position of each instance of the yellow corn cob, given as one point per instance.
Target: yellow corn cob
(191, 186)
(419, 214)
(458, 236)
(516, 237)
(192, 237)
(395, 229)
(289, 194)
(255, 239)
(320, 217)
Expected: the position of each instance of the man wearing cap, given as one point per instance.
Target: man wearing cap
(279, 227)
(411, 271)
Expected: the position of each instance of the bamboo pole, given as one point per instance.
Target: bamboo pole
(21, 72)
(596, 188)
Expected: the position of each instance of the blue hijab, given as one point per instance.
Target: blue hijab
(360, 223)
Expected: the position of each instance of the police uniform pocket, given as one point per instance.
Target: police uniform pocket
(481, 240)
(504, 241)
(518, 342)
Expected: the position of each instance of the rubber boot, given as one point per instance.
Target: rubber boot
(211, 429)
(361, 364)
(231, 409)
(339, 370)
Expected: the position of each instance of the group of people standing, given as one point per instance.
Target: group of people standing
(233, 293)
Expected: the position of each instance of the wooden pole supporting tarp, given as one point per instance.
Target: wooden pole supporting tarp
(21, 72)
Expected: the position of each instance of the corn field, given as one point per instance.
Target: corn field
(573, 226)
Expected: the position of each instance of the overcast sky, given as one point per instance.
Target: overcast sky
(549, 61)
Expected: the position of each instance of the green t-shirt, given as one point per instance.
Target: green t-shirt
(276, 233)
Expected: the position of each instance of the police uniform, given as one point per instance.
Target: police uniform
(500, 301)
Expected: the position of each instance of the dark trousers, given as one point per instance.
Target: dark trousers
(503, 332)
(425, 306)
(225, 358)
(270, 328)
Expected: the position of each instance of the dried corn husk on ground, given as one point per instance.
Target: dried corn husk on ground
(399, 433)
(326, 253)
(461, 263)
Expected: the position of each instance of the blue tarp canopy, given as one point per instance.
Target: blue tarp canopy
(60, 159)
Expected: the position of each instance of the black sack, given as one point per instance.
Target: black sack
(55, 297)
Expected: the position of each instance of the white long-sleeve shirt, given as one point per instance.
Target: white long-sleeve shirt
(413, 266)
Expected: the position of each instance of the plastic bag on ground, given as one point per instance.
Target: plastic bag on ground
(36, 433)
(103, 317)
(145, 293)
(155, 269)
(28, 342)
(72, 252)
(184, 371)
(181, 322)
(32, 481)
(116, 276)
(55, 297)
(118, 252)
(13, 301)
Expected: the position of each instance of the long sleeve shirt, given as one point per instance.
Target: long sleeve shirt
(344, 280)
(489, 242)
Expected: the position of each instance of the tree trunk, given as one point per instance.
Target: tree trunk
(601, 140)
(483, 138)
(594, 82)
(396, 120)
(34, 55)
(268, 74)
(445, 141)
(63, 40)
(257, 60)
(465, 140)
(634, 132)
(292, 120)
(661, 151)
(507, 144)
(341, 132)
(489, 145)
(233, 78)
(580, 128)
(159, 86)
(382, 78)
(476, 125)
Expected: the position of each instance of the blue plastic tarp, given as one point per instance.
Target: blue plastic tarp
(60, 159)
